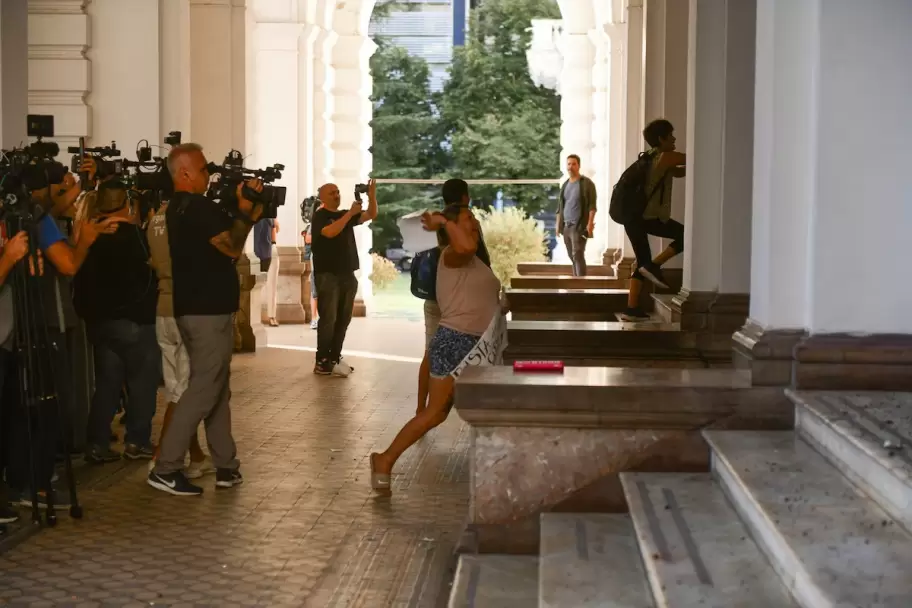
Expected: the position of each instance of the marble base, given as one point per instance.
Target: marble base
(766, 353)
(249, 331)
(289, 309)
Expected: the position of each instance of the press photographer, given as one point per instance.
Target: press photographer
(206, 239)
(115, 293)
(335, 261)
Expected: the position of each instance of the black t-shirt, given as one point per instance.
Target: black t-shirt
(205, 279)
(338, 255)
(116, 281)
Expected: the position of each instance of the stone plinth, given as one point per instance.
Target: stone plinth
(548, 268)
(249, 332)
(561, 281)
(566, 304)
(546, 442)
(291, 309)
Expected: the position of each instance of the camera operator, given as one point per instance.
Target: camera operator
(115, 293)
(205, 243)
(335, 260)
(13, 250)
(53, 190)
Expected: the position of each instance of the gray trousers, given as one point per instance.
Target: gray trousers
(576, 247)
(210, 342)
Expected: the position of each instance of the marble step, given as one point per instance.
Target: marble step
(550, 268)
(566, 304)
(867, 436)
(663, 307)
(830, 545)
(590, 561)
(495, 581)
(696, 550)
(562, 281)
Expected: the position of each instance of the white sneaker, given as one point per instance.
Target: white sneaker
(198, 469)
(314, 323)
(342, 369)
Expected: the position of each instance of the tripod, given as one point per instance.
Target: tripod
(37, 382)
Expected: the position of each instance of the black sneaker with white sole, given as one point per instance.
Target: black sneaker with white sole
(8, 515)
(653, 273)
(133, 451)
(228, 478)
(634, 315)
(323, 367)
(173, 483)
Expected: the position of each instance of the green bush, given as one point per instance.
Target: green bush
(383, 272)
(512, 237)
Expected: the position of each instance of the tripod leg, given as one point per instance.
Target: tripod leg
(66, 431)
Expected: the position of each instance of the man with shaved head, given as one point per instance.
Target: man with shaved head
(205, 242)
(335, 261)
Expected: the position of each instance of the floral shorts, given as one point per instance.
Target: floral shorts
(447, 350)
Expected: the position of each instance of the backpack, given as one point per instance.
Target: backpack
(629, 196)
(424, 274)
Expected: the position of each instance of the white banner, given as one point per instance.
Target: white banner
(490, 348)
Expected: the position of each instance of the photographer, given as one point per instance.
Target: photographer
(115, 293)
(205, 243)
(13, 250)
(335, 260)
(52, 190)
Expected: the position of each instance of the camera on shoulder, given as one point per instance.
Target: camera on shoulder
(232, 173)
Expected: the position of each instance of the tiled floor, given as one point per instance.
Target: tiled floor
(304, 528)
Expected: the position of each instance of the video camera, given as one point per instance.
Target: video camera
(23, 170)
(308, 206)
(103, 167)
(232, 173)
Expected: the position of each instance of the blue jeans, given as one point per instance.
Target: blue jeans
(125, 352)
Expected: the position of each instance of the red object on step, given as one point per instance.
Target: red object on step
(538, 366)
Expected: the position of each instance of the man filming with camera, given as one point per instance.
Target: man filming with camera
(205, 243)
(335, 261)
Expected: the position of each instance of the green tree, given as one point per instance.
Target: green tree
(499, 123)
(404, 144)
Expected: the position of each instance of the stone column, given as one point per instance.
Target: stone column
(220, 120)
(323, 78)
(605, 243)
(351, 117)
(634, 108)
(818, 188)
(14, 88)
(175, 69)
(577, 110)
(615, 151)
(278, 104)
(715, 294)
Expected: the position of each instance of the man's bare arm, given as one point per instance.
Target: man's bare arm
(231, 242)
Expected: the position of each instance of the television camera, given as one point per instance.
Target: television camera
(308, 206)
(232, 173)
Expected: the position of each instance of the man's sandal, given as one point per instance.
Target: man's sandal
(380, 482)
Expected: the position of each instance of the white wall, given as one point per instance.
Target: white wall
(174, 30)
(125, 79)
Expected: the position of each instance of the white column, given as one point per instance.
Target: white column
(351, 140)
(306, 128)
(175, 68)
(58, 71)
(125, 78)
(323, 75)
(617, 115)
(719, 145)
(577, 99)
(219, 39)
(606, 235)
(831, 166)
(634, 103)
(666, 85)
(13, 72)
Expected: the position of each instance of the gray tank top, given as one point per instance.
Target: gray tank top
(468, 296)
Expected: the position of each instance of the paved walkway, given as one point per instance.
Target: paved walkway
(304, 528)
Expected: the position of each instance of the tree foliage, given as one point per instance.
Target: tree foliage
(405, 145)
(499, 123)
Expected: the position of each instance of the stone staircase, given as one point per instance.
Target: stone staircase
(819, 516)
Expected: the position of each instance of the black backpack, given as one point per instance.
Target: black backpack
(629, 196)
(424, 274)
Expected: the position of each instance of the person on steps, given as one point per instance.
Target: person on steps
(667, 164)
